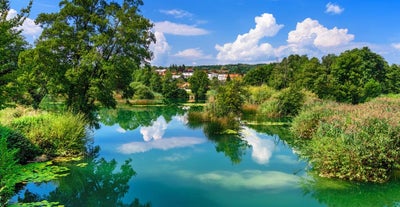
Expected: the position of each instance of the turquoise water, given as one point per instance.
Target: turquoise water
(178, 163)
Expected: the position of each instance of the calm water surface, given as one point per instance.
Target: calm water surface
(179, 163)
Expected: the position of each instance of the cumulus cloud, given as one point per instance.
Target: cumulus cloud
(177, 13)
(160, 48)
(333, 8)
(261, 148)
(311, 33)
(29, 28)
(247, 47)
(155, 131)
(161, 144)
(168, 27)
(248, 179)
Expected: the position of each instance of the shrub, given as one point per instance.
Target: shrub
(26, 150)
(290, 101)
(8, 167)
(57, 135)
(352, 142)
(258, 95)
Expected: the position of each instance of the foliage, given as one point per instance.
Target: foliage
(199, 84)
(26, 150)
(259, 94)
(89, 49)
(8, 167)
(170, 89)
(289, 102)
(355, 76)
(227, 101)
(284, 103)
(258, 76)
(141, 91)
(348, 143)
(56, 134)
(11, 44)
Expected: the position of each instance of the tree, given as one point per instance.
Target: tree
(227, 101)
(199, 84)
(92, 48)
(259, 75)
(353, 69)
(11, 44)
(170, 88)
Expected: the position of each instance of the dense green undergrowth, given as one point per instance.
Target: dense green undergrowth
(351, 142)
(29, 137)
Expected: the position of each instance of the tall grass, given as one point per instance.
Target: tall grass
(62, 134)
(352, 142)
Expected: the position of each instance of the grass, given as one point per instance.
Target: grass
(352, 142)
(61, 134)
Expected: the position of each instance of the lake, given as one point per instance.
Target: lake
(155, 156)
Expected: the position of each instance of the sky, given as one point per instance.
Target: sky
(207, 32)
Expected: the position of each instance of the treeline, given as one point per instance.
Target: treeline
(239, 68)
(354, 76)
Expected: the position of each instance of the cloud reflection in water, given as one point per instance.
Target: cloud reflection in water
(261, 148)
(155, 131)
(163, 144)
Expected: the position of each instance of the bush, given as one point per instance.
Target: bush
(57, 135)
(258, 95)
(8, 167)
(26, 150)
(352, 142)
(285, 103)
(290, 101)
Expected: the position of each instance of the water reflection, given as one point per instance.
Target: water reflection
(340, 193)
(162, 144)
(132, 118)
(261, 148)
(96, 182)
(247, 179)
(155, 131)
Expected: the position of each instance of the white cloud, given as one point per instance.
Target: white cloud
(261, 148)
(167, 27)
(248, 179)
(333, 8)
(155, 131)
(176, 157)
(29, 29)
(396, 46)
(177, 13)
(160, 49)
(311, 33)
(247, 47)
(162, 144)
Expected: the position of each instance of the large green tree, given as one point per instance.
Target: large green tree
(359, 74)
(11, 44)
(90, 49)
(199, 84)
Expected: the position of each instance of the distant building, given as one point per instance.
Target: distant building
(161, 71)
(212, 75)
(187, 73)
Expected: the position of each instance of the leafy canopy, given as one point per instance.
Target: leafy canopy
(90, 49)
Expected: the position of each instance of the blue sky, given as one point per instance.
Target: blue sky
(202, 32)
